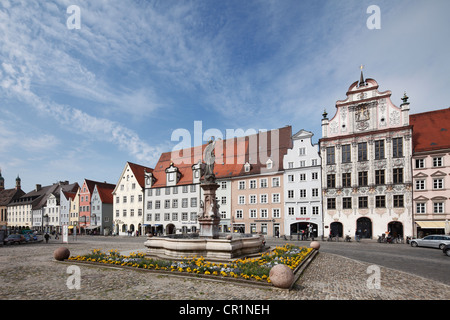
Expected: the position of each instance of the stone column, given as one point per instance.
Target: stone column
(209, 218)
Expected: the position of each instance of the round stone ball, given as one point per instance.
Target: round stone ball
(229, 237)
(61, 254)
(281, 276)
(315, 245)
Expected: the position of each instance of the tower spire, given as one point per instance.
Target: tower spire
(362, 82)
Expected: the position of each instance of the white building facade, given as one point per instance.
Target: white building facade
(128, 200)
(366, 151)
(303, 187)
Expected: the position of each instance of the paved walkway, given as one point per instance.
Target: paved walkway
(29, 272)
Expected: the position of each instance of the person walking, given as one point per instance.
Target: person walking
(46, 236)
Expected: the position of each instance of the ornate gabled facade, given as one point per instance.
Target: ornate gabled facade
(366, 151)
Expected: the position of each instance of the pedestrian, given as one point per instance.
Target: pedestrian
(47, 236)
(357, 235)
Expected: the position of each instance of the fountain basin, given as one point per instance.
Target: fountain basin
(220, 250)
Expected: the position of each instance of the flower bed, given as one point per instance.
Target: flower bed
(250, 269)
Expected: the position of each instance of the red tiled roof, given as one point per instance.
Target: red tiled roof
(105, 192)
(138, 172)
(231, 155)
(431, 130)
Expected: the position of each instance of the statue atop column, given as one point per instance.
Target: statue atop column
(210, 158)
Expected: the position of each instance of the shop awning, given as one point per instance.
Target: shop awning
(431, 224)
(92, 227)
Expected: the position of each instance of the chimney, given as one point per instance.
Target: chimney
(38, 187)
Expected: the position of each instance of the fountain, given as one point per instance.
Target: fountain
(208, 243)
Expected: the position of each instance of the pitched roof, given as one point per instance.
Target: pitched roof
(431, 130)
(231, 156)
(138, 172)
(105, 192)
(8, 195)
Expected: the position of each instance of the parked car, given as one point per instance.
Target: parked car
(447, 250)
(14, 238)
(432, 241)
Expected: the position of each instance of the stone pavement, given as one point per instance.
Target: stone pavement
(30, 272)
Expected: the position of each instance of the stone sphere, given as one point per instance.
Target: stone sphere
(229, 237)
(61, 254)
(281, 276)
(315, 245)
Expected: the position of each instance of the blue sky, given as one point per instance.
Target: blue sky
(79, 103)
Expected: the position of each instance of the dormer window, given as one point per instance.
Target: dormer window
(247, 167)
(172, 174)
(269, 164)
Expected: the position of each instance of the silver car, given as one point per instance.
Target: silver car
(432, 241)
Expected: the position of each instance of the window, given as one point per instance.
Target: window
(420, 163)
(175, 216)
(157, 204)
(302, 176)
(363, 203)
(124, 199)
(264, 213)
(166, 204)
(184, 216)
(241, 185)
(157, 216)
(263, 183)
(223, 185)
(193, 202)
(252, 184)
(193, 188)
(302, 193)
(185, 189)
(330, 155)
(241, 200)
(253, 213)
(301, 151)
(398, 201)
(379, 176)
(263, 198)
(331, 203)
(438, 207)
(275, 198)
(117, 199)
(252, 199)
(362, 178)
(315, 210)
(291, 178)
(276, 213)
(175, 203)
(314, 162)
(290, 165)
(175, 190)
(346, 153)
(193, 216)
(438, 183)
(331, 181)
(314, 175)
(420, 184)
(346, 179)
(290, 194)
(157, 192)
(380, 201)
(397, 175)
(315, 192)
(224, 200)
(167, 191)
(437, 162)
(166, 216)
(420, 207)
(184, 202)
(397, 147)
(275, 182)
(379, 149)
(346, 203)
(302, 163)
(291, 211)
(362, 151)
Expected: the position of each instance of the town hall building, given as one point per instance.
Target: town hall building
(366, 151)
